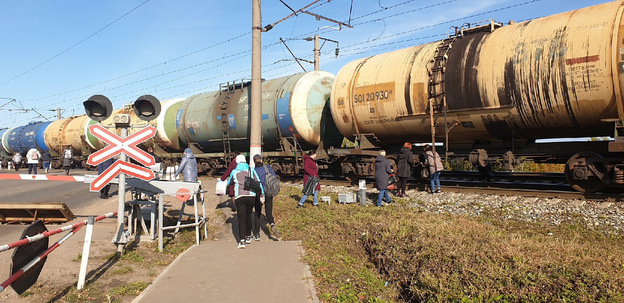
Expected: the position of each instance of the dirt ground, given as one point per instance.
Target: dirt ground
(110, 278)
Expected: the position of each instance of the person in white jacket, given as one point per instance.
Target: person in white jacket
(33, 157)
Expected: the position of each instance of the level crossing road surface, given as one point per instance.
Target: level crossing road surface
(75, 195)
(214, 271)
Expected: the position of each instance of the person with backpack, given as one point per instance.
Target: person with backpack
(17, 161)
(245, 198)
(33, 156)
(67, 159)
(271, 186)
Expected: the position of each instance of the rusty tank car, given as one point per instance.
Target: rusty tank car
(295, 115)
(495, 86)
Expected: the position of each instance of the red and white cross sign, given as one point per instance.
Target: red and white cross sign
(118, 145)
(121, 167)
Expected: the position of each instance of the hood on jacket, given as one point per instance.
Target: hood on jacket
(189, 153)
(380, 158)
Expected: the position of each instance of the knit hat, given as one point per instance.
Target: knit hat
(256, 157)
(241, 159)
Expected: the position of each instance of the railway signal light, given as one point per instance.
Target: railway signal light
(147, 107)
(98, 107)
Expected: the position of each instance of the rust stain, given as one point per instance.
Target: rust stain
(585, 59)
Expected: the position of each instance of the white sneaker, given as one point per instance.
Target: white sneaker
(241, 244)
(256, 237)
(247, 239)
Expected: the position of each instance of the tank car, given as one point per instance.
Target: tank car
(295, 115)
(498, 87)
(22, 138)
(72, 132)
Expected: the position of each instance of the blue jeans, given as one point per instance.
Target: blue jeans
(306, 196)
(383, 193)
(435, 181)
(46, 165)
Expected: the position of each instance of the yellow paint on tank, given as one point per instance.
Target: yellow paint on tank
(556, 76)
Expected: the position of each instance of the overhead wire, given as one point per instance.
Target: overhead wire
(76, 44)
(349, 49)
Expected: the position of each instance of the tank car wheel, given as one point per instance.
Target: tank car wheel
(585, 172)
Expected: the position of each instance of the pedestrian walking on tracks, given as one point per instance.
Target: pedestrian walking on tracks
(46, 158)
(17, 161)
(435, 166)
(67, 159)
(188, 167)
(33, 157)
(245, 198)
(383, 169)
(404, 167)
(310, 169)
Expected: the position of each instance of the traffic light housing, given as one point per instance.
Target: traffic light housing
(147, 107)
(98, 107)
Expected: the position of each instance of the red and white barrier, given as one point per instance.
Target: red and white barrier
(34, 262)
(42, 235)
(41, 177)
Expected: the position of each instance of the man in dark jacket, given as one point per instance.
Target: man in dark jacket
(188, 167)
(382, 170)
(46, 158)
(404, 167)
(101, 168)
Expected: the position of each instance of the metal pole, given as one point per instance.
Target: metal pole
(85, 253)
(255, 136)
(120, 240)
(317, 52)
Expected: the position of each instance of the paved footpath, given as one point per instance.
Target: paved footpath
(265, 271)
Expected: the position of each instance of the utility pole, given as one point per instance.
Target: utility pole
(255, 132)
(317, 52)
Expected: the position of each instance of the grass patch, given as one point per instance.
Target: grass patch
(132, 289)
(122, 270)
(397, 254)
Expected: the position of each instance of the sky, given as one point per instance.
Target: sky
(56, 54)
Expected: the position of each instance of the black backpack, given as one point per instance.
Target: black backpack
(272, 184)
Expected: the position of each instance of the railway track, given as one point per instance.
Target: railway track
(542, 185)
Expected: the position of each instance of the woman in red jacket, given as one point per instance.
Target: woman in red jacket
(310, 169)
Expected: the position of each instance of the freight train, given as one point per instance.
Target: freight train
(487, 91)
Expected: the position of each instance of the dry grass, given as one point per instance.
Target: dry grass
(395, 254)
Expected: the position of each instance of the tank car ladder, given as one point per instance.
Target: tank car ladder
(436, 87)
(225, 93)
